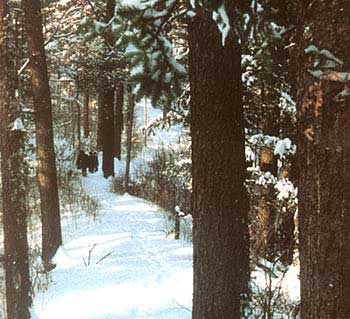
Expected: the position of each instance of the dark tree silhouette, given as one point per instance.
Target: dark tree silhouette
(46, 172)
(220, 233)
(324, 160)
(13, 177)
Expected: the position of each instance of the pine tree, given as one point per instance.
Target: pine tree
(129, 128)
(86, 115)
(220, 233)
(108, 137)
(78, 121)
(324, 158)
(221, 244)
(14, 207)
(46, 173)
(99, 138)
(108, 94)
(118, 124)
(144, 35)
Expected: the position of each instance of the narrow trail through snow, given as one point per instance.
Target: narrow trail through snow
(133, 270)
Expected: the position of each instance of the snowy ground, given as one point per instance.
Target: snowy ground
(133, 271)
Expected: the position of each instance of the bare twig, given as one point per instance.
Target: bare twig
(93, 10)
(24, 66)
(104, 257)
(90, 251)
(78, 102)
(57, 28)
(182, 306)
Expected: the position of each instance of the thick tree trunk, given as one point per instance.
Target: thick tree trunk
(46, 172)
(108, 132)
(145, 120)
(324, 162)
(165, 111)
(99, 138)
(129, 126)
(78, 115)
(18, 284)
(14, 208)
(119, 119)
(86, 115)
(220, 233)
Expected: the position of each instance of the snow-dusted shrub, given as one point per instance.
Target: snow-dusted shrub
(64, 161)
(165, 181)
(272, 295)
(273, 197)
(273, 207)
(186, 227)
(118, 185)
(74, 200)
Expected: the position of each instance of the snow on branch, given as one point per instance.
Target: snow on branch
(18, 125)
(334, 76)
(286, 190)
(280, 146)
(314, 50)
(222, 21)
(324, 68)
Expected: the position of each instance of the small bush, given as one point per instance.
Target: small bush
(118, 185)
(162, 185)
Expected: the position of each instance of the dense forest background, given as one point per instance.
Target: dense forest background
(258, 94)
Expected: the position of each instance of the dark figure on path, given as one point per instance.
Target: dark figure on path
(95, 161)
(91, 162)
(79, 159)
(83, 162)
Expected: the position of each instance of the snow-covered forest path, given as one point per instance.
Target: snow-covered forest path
(133, 271)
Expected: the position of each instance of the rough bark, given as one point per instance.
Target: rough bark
(14, 208)
(99, 122)
(119, 119)
(145, 120)
(107, 96)
(324, 162)
(108, 132)
(129, 126)
(220, 234)
(86, 115)
(46, 171)
(78, 115)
